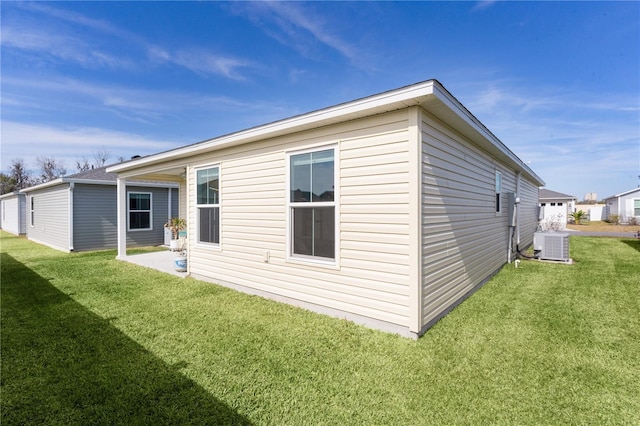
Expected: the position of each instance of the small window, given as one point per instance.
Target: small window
(552, 204)
(543, 204)
(32, 216)
(208, 205)
(498, 188)
(140, 216)
(636, 207)
(312, 205)
(560, 204)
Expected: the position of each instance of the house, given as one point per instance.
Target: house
(387, 210)
(556, 207)
(13, 213)
(625, 205)
(79, 212)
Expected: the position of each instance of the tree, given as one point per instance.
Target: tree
(19, 173)
(7, 184)
(577, 216)
(82, 164)
(50, 169)
(101, 156)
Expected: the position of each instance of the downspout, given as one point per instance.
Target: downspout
(518, 187)
(71, 188)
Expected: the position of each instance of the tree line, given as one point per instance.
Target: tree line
(46, 169)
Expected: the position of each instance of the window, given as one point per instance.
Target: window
(560, 204)
(32, 215)
(543, 204)
(208, 205)
(552, 204)
(498, 185)
(636, 207)
(140, 217)
(312, 204)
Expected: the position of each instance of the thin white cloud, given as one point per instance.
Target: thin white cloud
(296, 25)
(28, 141)
(91, 52)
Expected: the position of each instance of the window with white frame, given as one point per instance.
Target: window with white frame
(140, 214)
(498, 188)
(32, 215)
(312, 204)
(208, 204)
(636, 207)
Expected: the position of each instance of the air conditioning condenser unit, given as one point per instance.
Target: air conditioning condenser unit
(551, 246)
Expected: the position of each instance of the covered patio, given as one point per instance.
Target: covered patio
(159, 260)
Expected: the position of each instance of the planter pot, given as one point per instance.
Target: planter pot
(174, 245)
(180, 264)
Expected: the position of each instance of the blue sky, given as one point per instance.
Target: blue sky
(557, 82)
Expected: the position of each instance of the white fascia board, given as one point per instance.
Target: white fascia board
(455, 106)
(417, 94)
(387, 101)
(43, 185)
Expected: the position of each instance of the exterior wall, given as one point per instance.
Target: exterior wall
(51, 216)
(622, 205)
(94, 214)
(627, 205)
(464, 240)
(13, 218)
(95, 217)
(370, 278)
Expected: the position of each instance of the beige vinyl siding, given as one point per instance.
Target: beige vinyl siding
(370, 277)
(51, 216)
(464, 240)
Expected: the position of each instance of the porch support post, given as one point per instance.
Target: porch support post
(121, 206)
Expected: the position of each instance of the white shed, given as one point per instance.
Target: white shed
(387, 210)
(13, 217)
(625, 205)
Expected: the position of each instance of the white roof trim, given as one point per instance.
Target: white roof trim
(418, 94)
(622, 194)
(63, 180)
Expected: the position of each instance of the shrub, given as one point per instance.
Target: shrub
(578, 216)
(634, 221)
(614, 218)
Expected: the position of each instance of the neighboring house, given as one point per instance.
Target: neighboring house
(79, 212)
(625, 205)
(387, 210)
(13, 213)
(556, 207)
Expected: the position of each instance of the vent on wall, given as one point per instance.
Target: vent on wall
(551, 246)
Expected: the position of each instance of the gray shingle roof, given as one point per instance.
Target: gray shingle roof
(99, 173)
(547, 193)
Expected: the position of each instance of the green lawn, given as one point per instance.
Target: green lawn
(87, 339)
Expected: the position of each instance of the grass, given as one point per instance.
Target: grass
(601, 226)
(87, 339)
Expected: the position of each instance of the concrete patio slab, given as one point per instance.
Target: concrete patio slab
(159, 260)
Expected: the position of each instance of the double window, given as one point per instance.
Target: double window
(140, 217)
(208, 205)
(312, 206)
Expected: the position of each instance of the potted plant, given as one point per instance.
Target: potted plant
(175, 225)
(180, 261)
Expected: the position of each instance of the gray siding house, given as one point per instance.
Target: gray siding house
(626, 205)
(387, 210)
(79, 212)
(13, 217)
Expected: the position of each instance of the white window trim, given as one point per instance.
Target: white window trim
(150, 228)
(498, 192)
(199, 243)
(311, 260)
(32, 212)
